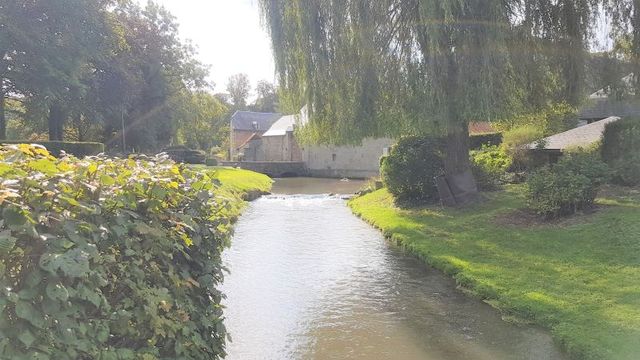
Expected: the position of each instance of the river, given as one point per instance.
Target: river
(309, 280)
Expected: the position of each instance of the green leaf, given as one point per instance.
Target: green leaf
(26, 311)
(7, 242)
(27, 338)
(107, 180)
(13, 217)
(44, 166)
(57, 292)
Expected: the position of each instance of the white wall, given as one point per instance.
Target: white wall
(346, 161)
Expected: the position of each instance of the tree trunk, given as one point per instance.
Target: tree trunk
(573, 67)
(56, 122)
(3, 119)
(459, 178)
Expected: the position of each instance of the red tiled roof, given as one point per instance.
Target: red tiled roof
(255, 136)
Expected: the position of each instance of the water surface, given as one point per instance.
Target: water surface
(311, 281)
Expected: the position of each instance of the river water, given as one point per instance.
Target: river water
(309, 280)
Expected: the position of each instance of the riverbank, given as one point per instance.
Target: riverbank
(580, 278)
(246, 184)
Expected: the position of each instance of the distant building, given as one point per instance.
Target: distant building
(551, 148)
(244, 125)
(603, 104)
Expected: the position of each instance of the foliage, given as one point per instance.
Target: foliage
(410, 169)
(183, 154)
(626, 170)
(238, 87)
(477, 141)
(86, 69)
(77, 149)
(109, 258)
(201, 120)
(567, 186)
(267, 98)
(515, 141)
(579, 278)
(549, 120)
(490, 165)
(621, 148)
(621, 138)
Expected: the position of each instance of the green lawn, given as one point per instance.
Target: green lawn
(238, 180)
(579, 277)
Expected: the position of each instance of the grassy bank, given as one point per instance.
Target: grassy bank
(245, 183)
(580, 277)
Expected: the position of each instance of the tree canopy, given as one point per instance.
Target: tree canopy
(396, 67)
(89, 69)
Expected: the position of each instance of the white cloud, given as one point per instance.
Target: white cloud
(229, 37)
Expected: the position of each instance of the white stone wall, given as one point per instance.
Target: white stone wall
(346, 161)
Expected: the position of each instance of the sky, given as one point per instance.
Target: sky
(229, 36)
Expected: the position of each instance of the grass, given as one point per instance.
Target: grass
(237, 180)
(580, 277)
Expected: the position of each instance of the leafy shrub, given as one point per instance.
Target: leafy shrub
(77, 149)
(183, 154)
(489, 165)
(567, 186)
(109, 259)
(621, 150)
(211, 162)
(627, 170)
(478, 141)
(515, 143)
(410, 169)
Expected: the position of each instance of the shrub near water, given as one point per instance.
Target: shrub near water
(568, 186)
(108, 259)
(410, 170)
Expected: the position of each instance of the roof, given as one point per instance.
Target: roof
(254, 136)
(282, 126)
(603, 93)
(481, 127)
(579, 137)
(252, 121)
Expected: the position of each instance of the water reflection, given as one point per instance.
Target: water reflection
(311, 281)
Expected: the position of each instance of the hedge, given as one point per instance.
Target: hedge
(477, 141)
(109, 258)
(77, 149)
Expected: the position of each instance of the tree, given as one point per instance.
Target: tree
(239, 88)
(267, 98)
(201, 120)
(46, 46)
(395, 67)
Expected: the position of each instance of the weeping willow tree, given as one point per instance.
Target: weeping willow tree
(625, 16)
(396, 67)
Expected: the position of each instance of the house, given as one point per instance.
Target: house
(601, 104)
(551, 148)
(245, 126)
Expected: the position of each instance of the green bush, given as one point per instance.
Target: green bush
(410, 169)
(627, 170)
(478, 141)
(621, 149)
(489, 166)
(183, 154)
(109, 259)
(567, 186)
(77, 149)
(515, 143)
(211, 162)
